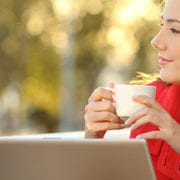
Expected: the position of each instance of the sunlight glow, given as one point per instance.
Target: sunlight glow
(35, 25)
(132, 11)
(126, 15)
(94, 7)
(35, 18)
(62, 7)
(124, 45)
(125, 19)
(116, 36)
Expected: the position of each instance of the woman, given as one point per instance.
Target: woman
(159, 121)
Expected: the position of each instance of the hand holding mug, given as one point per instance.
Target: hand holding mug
(100, 113)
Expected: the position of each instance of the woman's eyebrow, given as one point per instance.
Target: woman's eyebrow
(171, 20)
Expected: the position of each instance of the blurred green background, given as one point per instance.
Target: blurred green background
(53, 53)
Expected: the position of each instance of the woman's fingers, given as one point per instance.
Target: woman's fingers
(148, 102)
(150, 116)
(169, 131)
(155, 114)
(151, 135)
(102, 116)
(100, 106)
(100, 94)
(103, 126)
(151, 107)
(97, 121)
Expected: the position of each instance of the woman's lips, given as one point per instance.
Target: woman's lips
(164, 61)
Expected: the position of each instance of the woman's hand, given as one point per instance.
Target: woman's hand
(154, 113)
(100, 114)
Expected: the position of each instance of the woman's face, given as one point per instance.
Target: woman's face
(167, 42)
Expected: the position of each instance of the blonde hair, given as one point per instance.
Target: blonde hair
(144, 78)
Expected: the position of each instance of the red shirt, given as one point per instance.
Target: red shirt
(165, 160)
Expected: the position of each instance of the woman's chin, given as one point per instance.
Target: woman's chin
(165, 75)
(169, 80)
(170, 76)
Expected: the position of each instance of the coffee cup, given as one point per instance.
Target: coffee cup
(125, 106)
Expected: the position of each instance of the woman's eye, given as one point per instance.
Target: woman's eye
(175, 31)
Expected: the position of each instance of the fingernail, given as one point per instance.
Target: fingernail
(127, 125)
(127, 122)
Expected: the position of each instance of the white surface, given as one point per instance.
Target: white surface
(68, 135)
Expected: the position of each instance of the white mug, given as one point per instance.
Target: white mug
(125, 106)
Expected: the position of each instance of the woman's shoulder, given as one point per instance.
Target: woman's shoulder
(159, 84)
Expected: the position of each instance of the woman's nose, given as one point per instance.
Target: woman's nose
(158, 42)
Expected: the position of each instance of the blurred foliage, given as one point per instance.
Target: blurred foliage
(34, 37)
